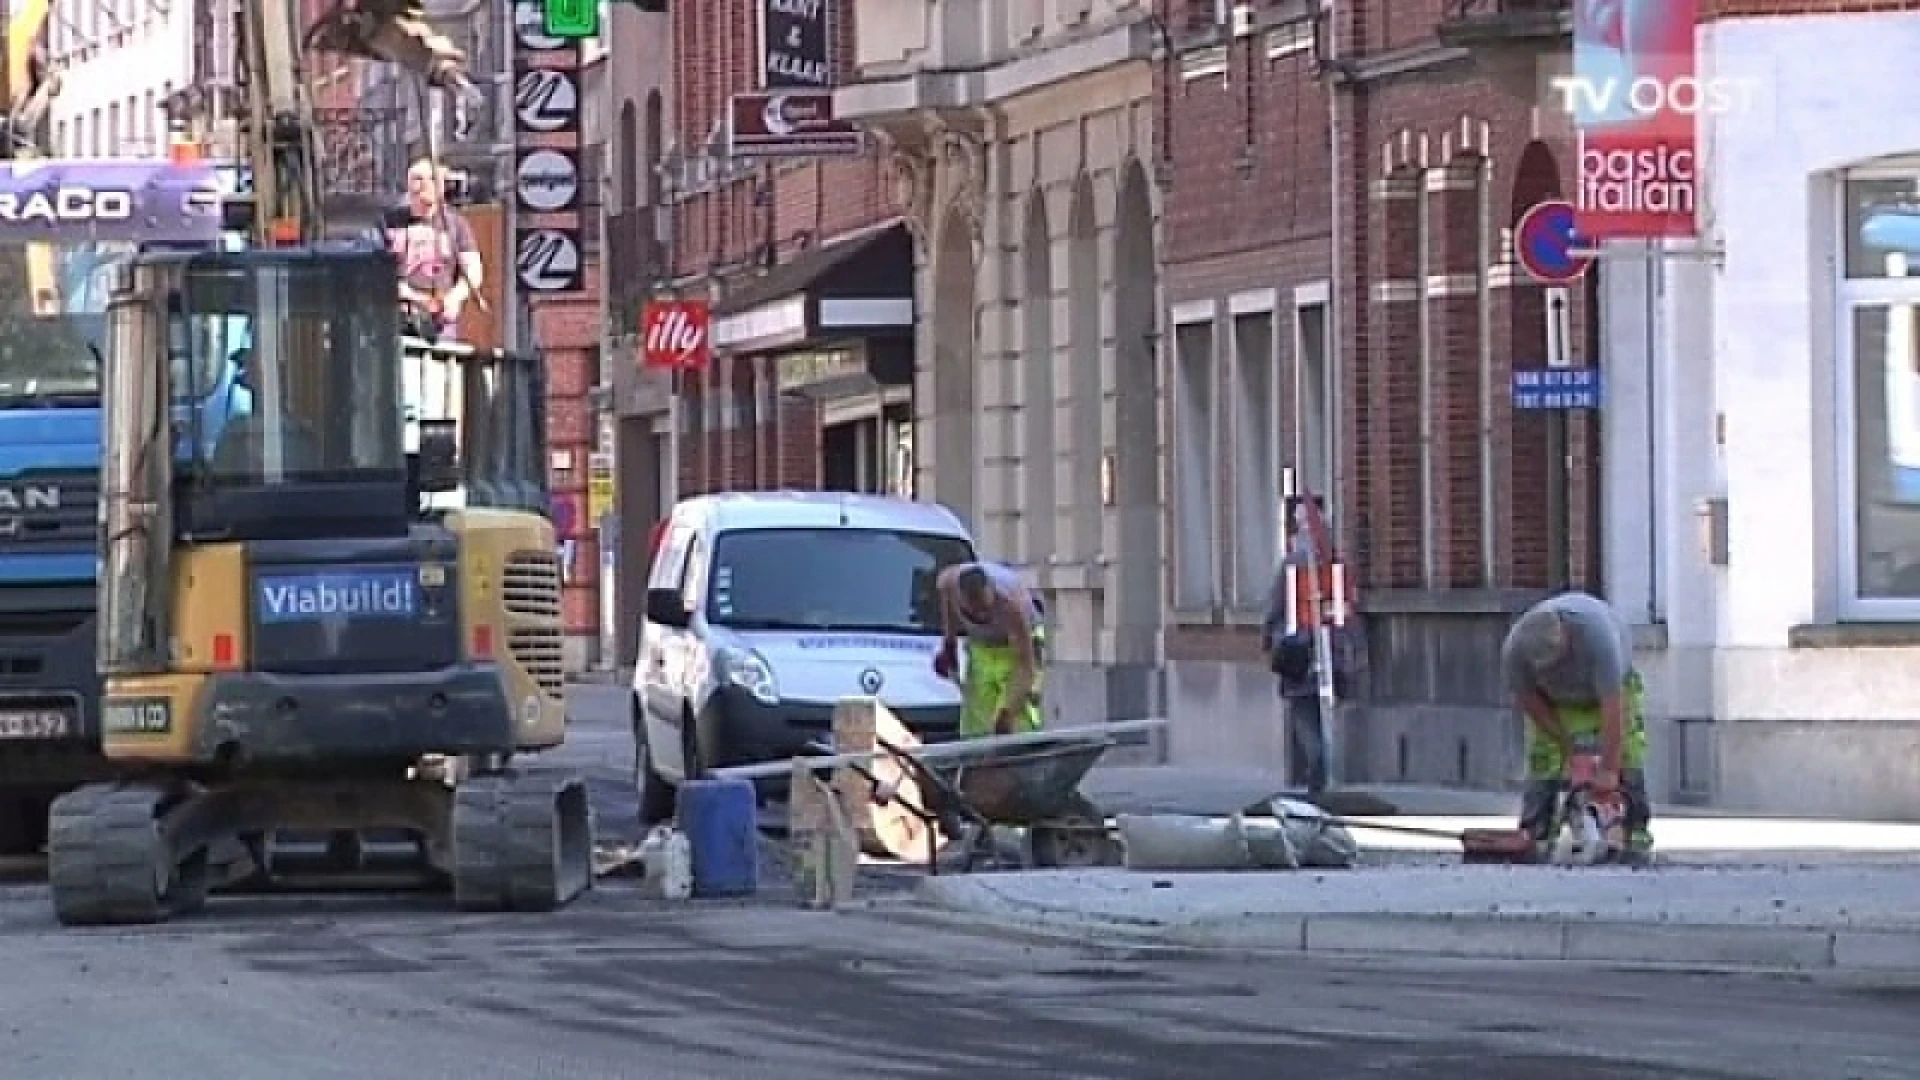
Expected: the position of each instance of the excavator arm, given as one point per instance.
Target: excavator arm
(283, 143)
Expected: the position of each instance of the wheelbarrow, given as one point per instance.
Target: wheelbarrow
(967, 792)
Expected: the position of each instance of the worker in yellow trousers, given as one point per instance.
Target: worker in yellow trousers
(1000, 617)
(1568, 662)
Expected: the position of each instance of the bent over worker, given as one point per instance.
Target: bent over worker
(1000, 689)
(1568, 662)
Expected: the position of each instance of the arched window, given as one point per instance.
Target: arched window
(627, 152)
(653, 137)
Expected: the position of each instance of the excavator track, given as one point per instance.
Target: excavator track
(522, 841)
(109, 862)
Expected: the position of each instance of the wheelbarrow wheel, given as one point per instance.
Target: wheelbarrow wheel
(1075, 839)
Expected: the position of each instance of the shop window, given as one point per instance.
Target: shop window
(1886, 450)
(1196, 545)
(1880, 383)
(1256, 476)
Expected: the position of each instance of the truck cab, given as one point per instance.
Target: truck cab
(50, 439)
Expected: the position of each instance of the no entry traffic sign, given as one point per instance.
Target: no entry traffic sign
(1546, 245)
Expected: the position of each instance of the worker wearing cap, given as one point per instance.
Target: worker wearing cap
(1000, 688)
(1568, 662)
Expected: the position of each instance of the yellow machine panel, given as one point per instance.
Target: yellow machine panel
(510, 608)
(210, 634)
(209, 607)
(147, 717)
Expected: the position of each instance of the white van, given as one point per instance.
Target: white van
(763, 609)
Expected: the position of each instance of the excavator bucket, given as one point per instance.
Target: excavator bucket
(394, 31)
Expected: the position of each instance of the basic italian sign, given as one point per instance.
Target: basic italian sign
(1636, 96)
(76, 202)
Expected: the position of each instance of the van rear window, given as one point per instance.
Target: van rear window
(876, 580)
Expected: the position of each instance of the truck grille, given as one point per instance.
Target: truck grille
(49, 509)
(530, 584)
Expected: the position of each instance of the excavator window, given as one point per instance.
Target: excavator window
(294, 364)
(310, 363)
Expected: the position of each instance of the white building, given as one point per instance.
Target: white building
(120, 59)
(1764, 498)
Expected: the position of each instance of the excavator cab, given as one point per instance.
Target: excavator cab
(343, 620)
(305, 441)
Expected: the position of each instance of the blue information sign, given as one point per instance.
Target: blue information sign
(1557, 388)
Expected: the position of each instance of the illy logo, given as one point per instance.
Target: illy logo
(675, 334)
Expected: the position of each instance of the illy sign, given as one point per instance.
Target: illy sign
(676, 335)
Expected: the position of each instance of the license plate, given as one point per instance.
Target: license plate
(35, 724)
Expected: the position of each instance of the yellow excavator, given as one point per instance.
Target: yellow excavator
(335, 607)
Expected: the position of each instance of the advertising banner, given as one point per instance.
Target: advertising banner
(1636, 97)
(78, 202)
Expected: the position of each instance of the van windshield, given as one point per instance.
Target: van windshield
(874, 580)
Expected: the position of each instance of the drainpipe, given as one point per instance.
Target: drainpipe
(1336, 283)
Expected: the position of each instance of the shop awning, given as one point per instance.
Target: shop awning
(859, 287)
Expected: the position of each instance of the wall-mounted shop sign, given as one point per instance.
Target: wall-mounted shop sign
(799, 370)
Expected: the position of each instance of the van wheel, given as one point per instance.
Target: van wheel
(657, 801)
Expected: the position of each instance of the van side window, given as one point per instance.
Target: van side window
(670, 566)
(693, 589)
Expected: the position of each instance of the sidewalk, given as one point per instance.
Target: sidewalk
(1779, 918)
(1794, 896)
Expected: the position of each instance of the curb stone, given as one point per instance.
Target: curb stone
(1784, 949)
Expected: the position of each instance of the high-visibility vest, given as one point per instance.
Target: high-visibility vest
(1336, 594)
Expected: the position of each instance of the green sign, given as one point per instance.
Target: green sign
(572, 18)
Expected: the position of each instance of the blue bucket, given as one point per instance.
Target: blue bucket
(722, 824)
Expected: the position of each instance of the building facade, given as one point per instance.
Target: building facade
(638, 233)
(1021, 150)
(120, 64)
(1251, 355)
(1765, 385)
(1345, 310)
(800, 258)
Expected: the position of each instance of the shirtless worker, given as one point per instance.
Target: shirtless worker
(1568, 662)
(1000, 693)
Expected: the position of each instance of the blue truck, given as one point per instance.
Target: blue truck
(62, 224)
(50, 345)
(49, 486)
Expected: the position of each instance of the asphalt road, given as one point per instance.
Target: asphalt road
(616, 986)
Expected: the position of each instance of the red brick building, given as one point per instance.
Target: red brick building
(772, 245)
(1341, 193)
